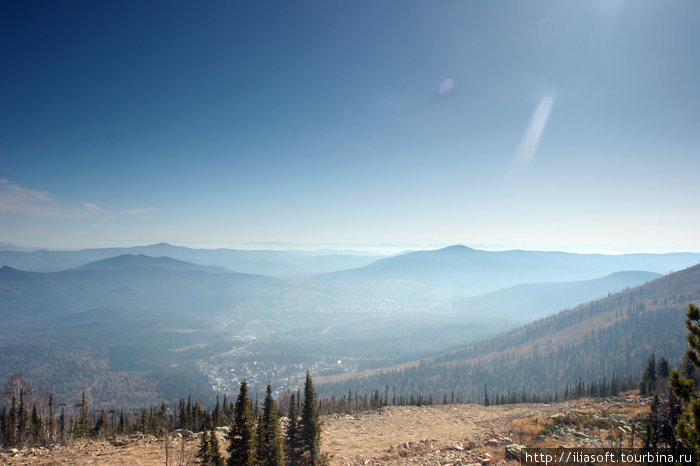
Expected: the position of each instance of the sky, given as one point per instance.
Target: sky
(366, 124)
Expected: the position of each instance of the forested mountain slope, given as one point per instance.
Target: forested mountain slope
(610, 336)
(521, 304)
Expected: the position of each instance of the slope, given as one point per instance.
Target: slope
(611, 335)
(524, 303)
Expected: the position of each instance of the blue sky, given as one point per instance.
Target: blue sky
(547, 125)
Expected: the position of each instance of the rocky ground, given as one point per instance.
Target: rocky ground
(430, 435)
(467, 434)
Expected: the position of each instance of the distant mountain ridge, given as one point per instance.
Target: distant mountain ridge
(142, 261)
(280, 264)
(160, 284)
(463, 271)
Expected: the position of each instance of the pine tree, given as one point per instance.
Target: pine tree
(310, 425)
(688, 426)
(241, 437)
(269, 439)
(687, 368)
(670, 416)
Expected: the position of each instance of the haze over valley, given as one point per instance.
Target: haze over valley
(147, 320)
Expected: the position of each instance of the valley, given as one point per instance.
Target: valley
(128, 321)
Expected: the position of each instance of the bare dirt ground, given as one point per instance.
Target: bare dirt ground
(464, 434)
(148, 451)
(447, 434)
(410, 434)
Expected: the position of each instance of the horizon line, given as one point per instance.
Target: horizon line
(369, 248)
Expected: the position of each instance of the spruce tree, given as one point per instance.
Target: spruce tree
(270, 440)
(224, 406)
(37, 427)
(100, 424)
(188, 414)
(648, 383)
(310, 425)
(215, 457)
(182, 417)
(4, 425)
(23, 419)
(144, 421)
(121, 428)
(203, 451)
(52, 420)
(294, 454)
(652, 426)
(162, 424)
(84, 420)
(662, 369)
(62, 423)
(259, 431)
(217, 417)
(12, 429)
(241, 437)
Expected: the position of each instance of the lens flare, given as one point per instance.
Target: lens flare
(531, 138)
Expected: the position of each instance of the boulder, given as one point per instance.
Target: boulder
(184, 433)
(514, 451)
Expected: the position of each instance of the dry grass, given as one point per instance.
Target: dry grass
(526, 430)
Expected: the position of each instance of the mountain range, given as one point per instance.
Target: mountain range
(157, 319)
(463, 271)
(281, 264)
(142, 282)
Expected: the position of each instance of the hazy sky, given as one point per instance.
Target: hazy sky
(559, 125)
